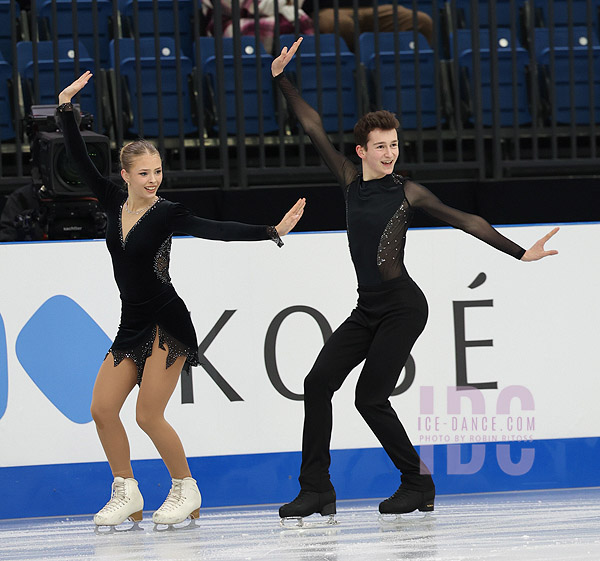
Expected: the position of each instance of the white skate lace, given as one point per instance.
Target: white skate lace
(118, 498)
(174, 499)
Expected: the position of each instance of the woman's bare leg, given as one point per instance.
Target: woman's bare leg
(113, 385)
(158, 384)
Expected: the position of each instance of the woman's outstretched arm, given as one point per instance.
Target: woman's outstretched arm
(183, 221)
(104, 189)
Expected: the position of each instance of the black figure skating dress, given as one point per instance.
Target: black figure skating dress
(141, 261)
(390, 314)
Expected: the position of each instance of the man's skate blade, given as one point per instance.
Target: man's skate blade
(104, 529)
(397, 520)
(187, 524)
(298, 522)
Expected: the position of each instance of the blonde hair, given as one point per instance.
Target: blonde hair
(132, 150)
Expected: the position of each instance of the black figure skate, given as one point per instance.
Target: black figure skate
(404, 501)
(307, 503)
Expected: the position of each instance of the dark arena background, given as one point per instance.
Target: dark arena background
(499, 111)
(499, 114)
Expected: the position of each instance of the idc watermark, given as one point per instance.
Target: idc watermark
(466, 420)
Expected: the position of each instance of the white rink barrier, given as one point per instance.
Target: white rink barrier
(524, 336)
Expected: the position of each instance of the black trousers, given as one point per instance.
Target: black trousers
(381, 330)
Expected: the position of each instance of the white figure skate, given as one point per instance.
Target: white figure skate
(182, 502)
(126, 502)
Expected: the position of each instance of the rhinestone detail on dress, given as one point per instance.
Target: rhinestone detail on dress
(124, 240)
(274, 235)
(161, 261)
(139, 355)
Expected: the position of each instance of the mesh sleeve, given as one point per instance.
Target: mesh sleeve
(343, 168)
(422, 198)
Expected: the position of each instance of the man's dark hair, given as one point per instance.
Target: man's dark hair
(383, 120)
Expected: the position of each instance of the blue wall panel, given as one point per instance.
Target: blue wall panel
(69, 489)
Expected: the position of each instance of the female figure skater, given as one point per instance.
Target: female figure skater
(156, 335)
(391, 312)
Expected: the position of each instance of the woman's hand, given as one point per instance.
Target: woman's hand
(282, 60)
(537, 251)
(291, 218)
(67, 94)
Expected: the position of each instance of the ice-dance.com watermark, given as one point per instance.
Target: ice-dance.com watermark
(435, 429)
(461, 417)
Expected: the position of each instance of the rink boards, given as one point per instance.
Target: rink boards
(524, 336)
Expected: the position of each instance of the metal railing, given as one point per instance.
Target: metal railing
(480, 101)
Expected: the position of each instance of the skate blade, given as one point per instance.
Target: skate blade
(298, 522)
(105, 529)
(398, 520)
(188, 524)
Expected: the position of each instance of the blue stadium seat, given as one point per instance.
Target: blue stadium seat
(148, 96)
(561, 12)
(46, 72)
(506, 12)
(416, 96)
(511, 78)
(5, 30)
(7, 132)
(578, 49)
(252, 97)
(306, 75)
(422, 5)
(503, 12)
(560, 38)
(166, 20)
(85, 23)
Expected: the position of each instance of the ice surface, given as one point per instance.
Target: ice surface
(518, 526)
